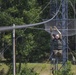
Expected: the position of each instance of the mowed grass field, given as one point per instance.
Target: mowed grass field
(41, 68)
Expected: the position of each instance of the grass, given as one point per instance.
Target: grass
(41, 68)
(5, 67)
(74, 69)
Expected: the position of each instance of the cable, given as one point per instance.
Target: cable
(41, 29)
(42, 11)
(7, 47)
(37, 28)
(73, 7)
(59, 24)
(29, 25)
(23, 26)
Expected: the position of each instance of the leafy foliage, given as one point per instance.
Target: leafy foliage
(31, 45)
(23, 71)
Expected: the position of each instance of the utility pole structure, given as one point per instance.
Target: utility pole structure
(54, 5)
(64, 26)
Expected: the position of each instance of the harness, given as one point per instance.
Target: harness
(57, 44)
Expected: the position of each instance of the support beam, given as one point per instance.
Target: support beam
(64, 26)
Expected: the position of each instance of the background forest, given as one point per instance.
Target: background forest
(32, 45)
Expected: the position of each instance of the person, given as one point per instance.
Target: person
(56, 43)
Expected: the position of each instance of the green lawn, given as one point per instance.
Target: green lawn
(45, 69)
(41, 68)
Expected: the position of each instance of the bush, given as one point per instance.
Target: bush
(26, 71)
(23, 71)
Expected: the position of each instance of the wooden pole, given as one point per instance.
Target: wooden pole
(14, 60)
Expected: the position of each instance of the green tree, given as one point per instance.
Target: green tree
(36, 43)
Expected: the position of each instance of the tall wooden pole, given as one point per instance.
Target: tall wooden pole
(14, 60)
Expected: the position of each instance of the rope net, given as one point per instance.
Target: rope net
(69, 31)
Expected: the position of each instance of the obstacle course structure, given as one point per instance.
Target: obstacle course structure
(65, 24)
(60, 19)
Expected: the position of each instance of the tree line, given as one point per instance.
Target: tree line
(31, 45)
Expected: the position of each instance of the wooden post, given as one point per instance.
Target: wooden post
(14, 60)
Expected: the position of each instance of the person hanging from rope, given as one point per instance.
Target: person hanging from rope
(56, 43)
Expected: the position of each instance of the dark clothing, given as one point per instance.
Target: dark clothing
(57, 44)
